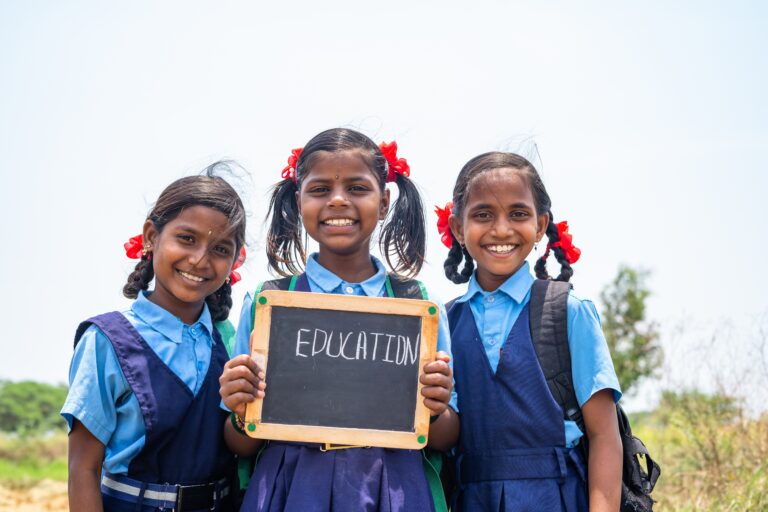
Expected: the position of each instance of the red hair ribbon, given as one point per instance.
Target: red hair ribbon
(134, 247)
(235, 276)
(572, 253)
(289, 171)
(446, 236)
(396, 165)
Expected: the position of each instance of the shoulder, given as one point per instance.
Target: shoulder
(581, 310)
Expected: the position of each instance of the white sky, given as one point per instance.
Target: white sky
(650, 118)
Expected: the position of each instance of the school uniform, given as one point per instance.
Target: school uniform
(146, 386)
(516, 452)
(298, 476)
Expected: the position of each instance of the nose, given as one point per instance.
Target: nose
(197, 255)
(502, 227)
(338, 197)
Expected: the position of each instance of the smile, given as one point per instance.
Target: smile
(338, 222)
(191, 277)
(501, 249)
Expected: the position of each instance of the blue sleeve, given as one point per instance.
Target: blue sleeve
(96, 384)
(244, 328)
(444, 343)
(591, 362)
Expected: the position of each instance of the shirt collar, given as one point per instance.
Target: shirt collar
(328, 282)
(163, 321)
(516, 286)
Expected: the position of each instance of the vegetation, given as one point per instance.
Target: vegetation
(31, 407)
(632, 339)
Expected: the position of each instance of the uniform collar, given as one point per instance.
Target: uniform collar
(164, 322)
(328, 282)
(516, 286)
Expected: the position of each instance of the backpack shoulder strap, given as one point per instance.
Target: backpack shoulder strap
(404, 288)
(549, 331)
(284, 284)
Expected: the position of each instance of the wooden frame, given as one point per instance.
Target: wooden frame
(429, 313)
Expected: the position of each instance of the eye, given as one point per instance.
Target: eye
(318, 189)
(222, 250)
(186, 238)
(359, 188)
(519, 214)
(482, 215)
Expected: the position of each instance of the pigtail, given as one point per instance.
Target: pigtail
(456, 254)
(140, 278)
(285, 250)
(220, 302)
(541, 265)
(403, 236)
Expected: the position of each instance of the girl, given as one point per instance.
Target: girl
(335, 190)
(516, 452)
(143, 404)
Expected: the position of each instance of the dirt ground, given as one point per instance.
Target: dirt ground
(46, 496)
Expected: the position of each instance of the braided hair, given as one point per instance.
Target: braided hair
(209, 190)
(402, 239)
(497, 160)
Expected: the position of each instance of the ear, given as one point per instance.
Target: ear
(456, 228)
(150, 233)
(541, 226)
(384, 206)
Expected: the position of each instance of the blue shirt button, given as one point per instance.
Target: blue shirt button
(349, 289)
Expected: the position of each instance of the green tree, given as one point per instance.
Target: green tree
(632, 339)
(29, 406)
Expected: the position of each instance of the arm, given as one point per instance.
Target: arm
(605, 455)
(241, 382)
(438, 384)
(86, 454)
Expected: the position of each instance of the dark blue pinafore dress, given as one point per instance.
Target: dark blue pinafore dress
(184, 442)
(511, 455)
(299, 477)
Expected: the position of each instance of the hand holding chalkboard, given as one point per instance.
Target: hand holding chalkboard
(241, 382)
(345, 370)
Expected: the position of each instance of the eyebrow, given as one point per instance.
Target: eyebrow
(481, 206)
(228, 238)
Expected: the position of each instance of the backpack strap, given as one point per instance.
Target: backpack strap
(549, 331)
(404, 288)
(284, 284)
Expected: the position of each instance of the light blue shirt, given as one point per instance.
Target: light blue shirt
(322, 280)
(100, 397)
(496, 312)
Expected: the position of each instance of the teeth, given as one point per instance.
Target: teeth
(339, 222)
(500, 248)
(192, 277)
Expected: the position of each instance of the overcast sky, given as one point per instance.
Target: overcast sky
(651, 121)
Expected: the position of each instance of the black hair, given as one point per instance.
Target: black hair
(209, 190)
(542, 202)
(402, 239)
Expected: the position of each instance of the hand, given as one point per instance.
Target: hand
(438, 384)
(241, 382)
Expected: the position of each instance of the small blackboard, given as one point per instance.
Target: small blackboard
(341, 369)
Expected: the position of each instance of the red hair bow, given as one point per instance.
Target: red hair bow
(289, 171)
(396, 165)
(235, 276)
(134, 247)
(572, 253)
(446, 236)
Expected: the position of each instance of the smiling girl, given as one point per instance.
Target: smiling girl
(143, 404)
(335, 190)
(517, 451)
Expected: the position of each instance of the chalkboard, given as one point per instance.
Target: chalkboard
(341, 369)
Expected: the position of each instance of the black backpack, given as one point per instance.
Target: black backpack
(549, 331)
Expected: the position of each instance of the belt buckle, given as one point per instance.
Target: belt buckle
(327, 447)
(180, 495)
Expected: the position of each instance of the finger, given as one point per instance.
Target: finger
(238, 373)
(436, 379)
(442, 356)
(437, 367)
(243, 360)
(436, 407)
(436, 393)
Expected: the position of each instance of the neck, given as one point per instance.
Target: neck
(186, 312)
(352, 268)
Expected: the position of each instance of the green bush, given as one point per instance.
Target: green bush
(31, 407)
